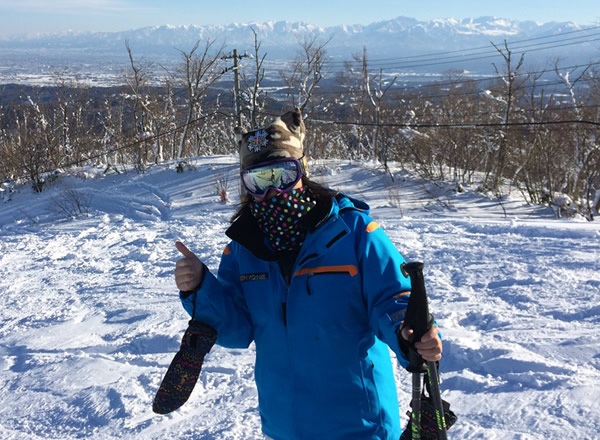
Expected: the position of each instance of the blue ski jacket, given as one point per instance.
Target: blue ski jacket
(323, 367)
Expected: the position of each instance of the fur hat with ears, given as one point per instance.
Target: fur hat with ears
(283, 138)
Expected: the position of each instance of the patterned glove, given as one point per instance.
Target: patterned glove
(181, 377)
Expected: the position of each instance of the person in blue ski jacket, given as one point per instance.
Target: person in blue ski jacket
(316, 284)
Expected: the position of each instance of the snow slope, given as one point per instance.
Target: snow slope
(90, 317)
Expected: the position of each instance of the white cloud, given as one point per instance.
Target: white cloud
(71, 6)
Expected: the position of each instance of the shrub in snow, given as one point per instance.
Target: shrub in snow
(564, 205)
(184, 166)
(72, 203)
(221, 184)
(6, 189)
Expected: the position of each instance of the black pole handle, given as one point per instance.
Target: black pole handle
(420, 320)
(417, 315)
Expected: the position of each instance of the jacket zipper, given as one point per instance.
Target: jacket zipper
(284, 310)
(287, 279)
(288, 284)
(309, 275)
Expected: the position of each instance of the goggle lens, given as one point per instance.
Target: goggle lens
(280, 175)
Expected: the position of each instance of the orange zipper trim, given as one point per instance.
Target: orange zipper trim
(349, 269)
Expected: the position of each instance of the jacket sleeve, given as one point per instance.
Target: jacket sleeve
(219, 302)
(385, 289)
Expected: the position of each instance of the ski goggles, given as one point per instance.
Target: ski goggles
(280, 175)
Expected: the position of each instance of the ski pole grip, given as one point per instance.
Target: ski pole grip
(417, 317)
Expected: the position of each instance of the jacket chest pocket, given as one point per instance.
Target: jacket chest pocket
(327, 274)
(327, 278)
(329, 295)
(327, 283)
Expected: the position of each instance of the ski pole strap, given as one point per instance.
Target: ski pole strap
(423, 420)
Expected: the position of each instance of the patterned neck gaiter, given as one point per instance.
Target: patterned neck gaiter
(280, 218)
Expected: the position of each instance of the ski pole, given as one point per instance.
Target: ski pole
(436, 397)
(420, 321)
(415, 416)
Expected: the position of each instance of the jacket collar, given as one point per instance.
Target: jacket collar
(324, 216)
(245, 231)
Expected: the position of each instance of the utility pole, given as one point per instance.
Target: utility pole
(236, 83)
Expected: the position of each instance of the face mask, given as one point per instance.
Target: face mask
(280, 218)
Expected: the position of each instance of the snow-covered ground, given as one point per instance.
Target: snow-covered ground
(90, 317)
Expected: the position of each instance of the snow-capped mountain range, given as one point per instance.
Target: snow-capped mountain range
(395, 36)
(402, 40)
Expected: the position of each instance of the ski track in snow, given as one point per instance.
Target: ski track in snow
(90, 317)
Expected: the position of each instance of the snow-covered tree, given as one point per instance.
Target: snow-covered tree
(198, 71)
(306, 72)
(254, 97)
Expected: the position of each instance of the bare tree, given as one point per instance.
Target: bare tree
(254, 96)
(368, 97)
(71, 119)
(33, 144)
(536, 154)
(456, 149)
(197, 73)
(137, 82)
(354, 79)
(584, 146)
(376, 96)
(509, 77)
(63, 99)
(112, 135)
(307, 71)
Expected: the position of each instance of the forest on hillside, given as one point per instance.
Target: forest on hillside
(531, 130)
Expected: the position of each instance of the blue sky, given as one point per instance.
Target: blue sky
(26, 16)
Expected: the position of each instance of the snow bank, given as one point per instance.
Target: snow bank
(90, 315)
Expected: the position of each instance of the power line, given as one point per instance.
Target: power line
(457, 125)
(140, 141)
(485, 55)
(479, 58)
(446, 125)
(490, 52)
(436, 60)
(322, 92)
(437, 84)
(340, 92)
(457, 81)
(436, 54)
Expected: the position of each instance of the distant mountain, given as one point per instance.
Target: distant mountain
(401, 40)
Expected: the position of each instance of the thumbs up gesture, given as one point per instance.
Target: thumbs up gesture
(189, 270)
